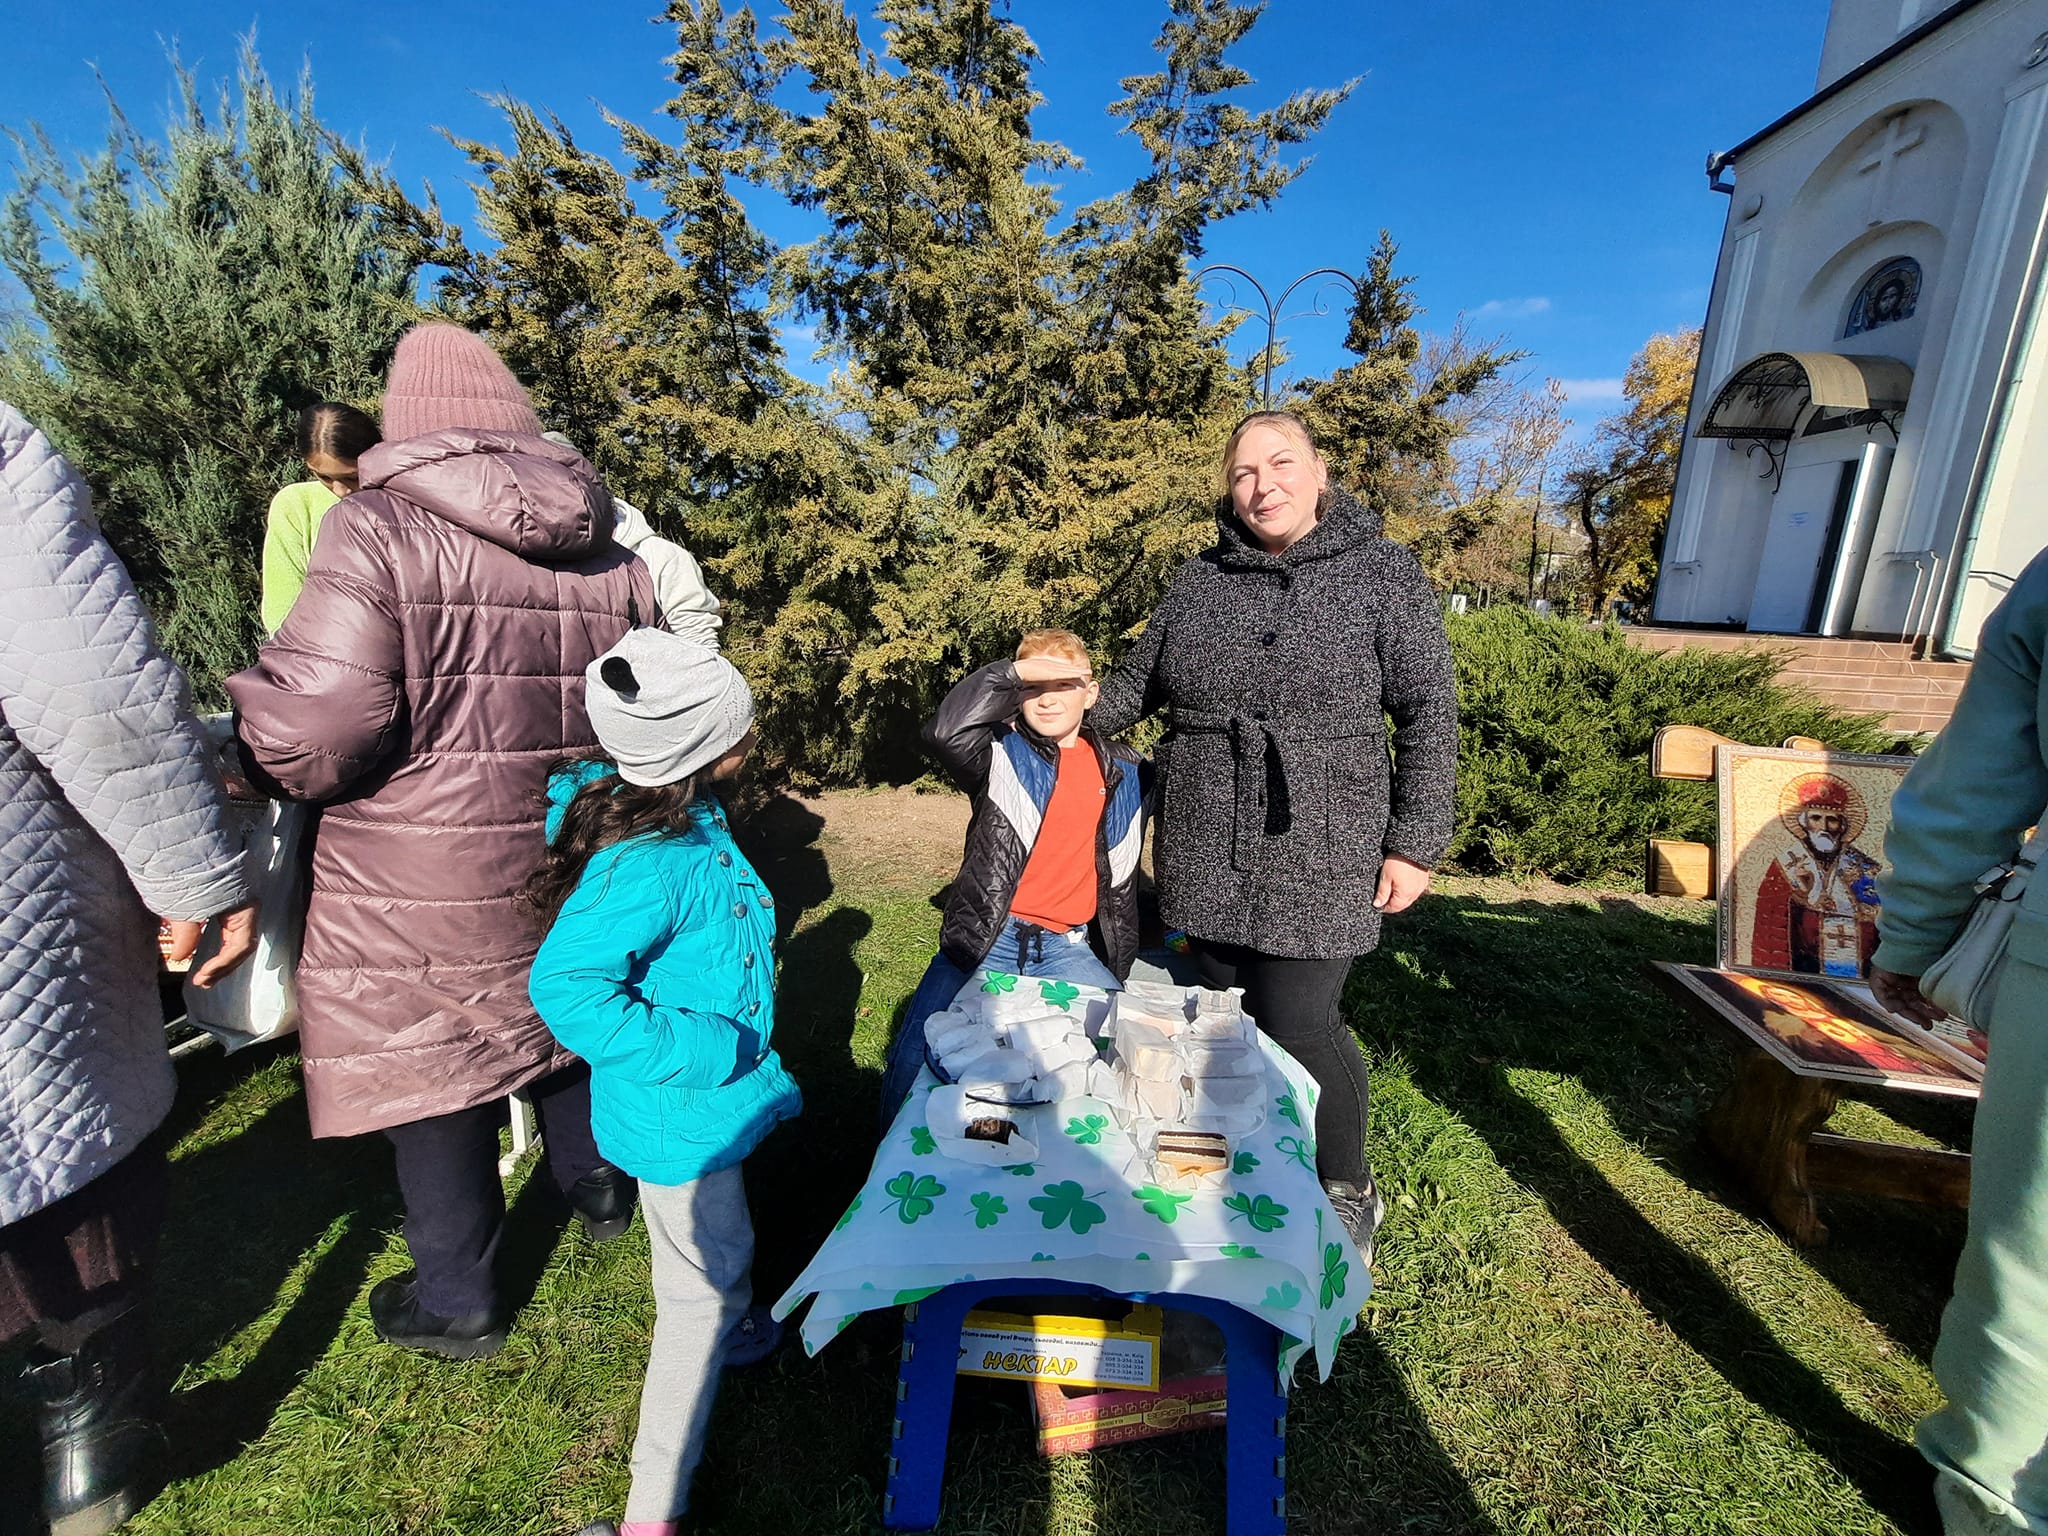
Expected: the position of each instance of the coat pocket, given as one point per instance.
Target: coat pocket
(1356, 810)
(1197, 807)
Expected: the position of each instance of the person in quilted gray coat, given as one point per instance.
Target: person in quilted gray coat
(1287, 828)
(110, 809)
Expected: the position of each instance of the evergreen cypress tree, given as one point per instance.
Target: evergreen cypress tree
(203, 290)
(1049, 386)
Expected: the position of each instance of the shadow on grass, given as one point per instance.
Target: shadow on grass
(1466, 988)
(246, 1213)
(779, 836)
(1361, 1456)
(802, 1177)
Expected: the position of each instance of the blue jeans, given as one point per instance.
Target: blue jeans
(1024, 949)
(1021, 949)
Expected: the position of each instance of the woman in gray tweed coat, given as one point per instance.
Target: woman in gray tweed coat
(1286, 830)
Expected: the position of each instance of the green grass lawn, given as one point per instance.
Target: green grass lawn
(1577, 1327)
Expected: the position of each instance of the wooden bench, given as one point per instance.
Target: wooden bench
(1766, 1127)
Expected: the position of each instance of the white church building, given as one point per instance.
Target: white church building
(1867, 450)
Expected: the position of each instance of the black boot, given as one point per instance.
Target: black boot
(398, 1317)
(603, 1201)
(103, 1451)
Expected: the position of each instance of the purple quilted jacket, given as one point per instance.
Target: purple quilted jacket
(109, 809)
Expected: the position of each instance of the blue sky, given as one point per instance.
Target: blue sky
(1540, 165)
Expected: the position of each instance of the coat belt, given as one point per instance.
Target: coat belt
(1254, 741)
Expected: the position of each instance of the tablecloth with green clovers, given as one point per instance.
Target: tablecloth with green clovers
(1261, 1235)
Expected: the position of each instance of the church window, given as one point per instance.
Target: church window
(1890, 293)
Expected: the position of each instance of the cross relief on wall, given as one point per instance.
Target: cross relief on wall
(1880, 162)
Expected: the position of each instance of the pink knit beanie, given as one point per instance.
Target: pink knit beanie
(441, 376)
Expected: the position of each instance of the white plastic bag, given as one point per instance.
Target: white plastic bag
(259, 999)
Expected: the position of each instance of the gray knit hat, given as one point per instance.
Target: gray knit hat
(663, 707)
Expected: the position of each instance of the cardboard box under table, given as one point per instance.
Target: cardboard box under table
(1079, 1351)
(1071, 1420)
(1255, 1249)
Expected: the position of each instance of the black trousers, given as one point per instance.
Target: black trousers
(1296, 1002)
(454, 1200)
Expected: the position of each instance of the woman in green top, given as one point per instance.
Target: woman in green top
(331, 438)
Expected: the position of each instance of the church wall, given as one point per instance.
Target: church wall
(1799, 242)
(1736, 504)
(1984, 523)
(1859, 30)
(2013, 527)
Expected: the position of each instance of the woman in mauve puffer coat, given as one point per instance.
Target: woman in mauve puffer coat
(429, 675)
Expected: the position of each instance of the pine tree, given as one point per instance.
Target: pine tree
(803, 522)
(1154, 391)
(1387, 423)
(1050, 386)
(584, 299)
(203, 290)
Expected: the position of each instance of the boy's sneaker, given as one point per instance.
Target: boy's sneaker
(753, 1338)
(1361, 1208)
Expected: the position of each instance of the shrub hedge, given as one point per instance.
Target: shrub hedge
(1555, 721)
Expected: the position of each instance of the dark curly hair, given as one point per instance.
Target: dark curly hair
(606, 810)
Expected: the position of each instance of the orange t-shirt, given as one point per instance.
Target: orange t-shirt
(1057, 889)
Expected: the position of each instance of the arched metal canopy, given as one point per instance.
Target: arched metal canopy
(1764, 399)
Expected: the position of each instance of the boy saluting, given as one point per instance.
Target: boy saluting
(1048, 882)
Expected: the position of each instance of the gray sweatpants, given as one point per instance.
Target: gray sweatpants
(703, 1245)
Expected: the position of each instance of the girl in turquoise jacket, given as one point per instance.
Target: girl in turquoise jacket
(658, 970)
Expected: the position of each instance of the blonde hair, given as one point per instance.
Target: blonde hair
(1289, 425)
(1063, 643)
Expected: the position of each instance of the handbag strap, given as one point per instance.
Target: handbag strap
(2009, 881)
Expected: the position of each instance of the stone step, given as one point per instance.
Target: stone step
(1880, 677)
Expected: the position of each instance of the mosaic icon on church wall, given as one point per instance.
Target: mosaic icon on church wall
(1890, 293)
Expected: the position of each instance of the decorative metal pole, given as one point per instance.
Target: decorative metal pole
(1269, 310)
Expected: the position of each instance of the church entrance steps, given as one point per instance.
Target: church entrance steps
(1877, 677)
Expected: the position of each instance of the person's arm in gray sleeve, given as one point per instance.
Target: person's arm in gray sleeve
(1134, 689)
(1974, 792)
(1419, 686)
(686, 602)
(88, 693)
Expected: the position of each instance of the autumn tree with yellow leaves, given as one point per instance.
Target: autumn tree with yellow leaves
(1619, 489)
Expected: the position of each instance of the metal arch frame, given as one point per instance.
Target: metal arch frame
(1773, 448)
(1271, 312)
